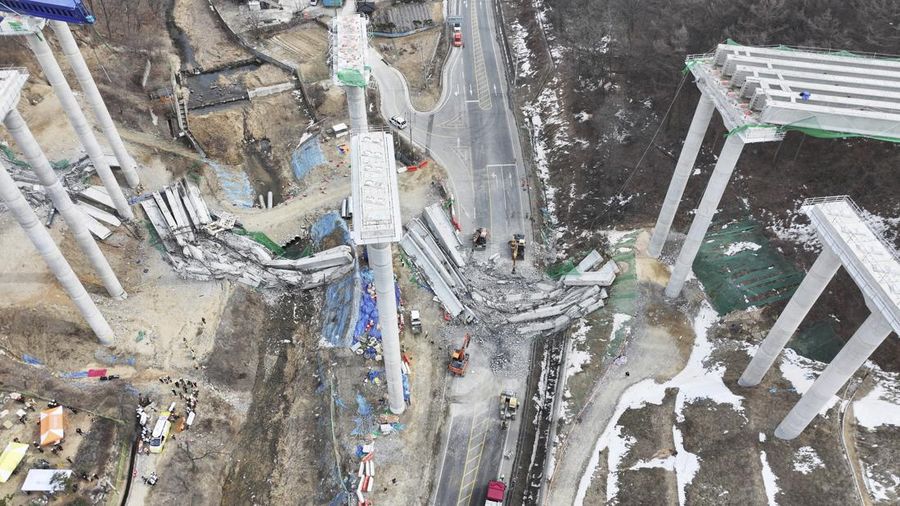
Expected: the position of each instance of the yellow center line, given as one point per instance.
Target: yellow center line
(479, 436)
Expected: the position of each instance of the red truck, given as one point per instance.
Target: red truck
(457, 39)
(496, 492)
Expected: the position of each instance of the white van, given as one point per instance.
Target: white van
(340, 130)
(160, 433)
(398, 121)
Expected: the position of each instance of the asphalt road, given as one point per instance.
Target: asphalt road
(472, 134)
(472, 131)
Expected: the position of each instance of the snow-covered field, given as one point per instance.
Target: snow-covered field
(694, 382)
(702, 379)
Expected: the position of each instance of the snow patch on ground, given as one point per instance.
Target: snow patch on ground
(521, 53)
(667, 463)
(577, 359)
(583, 116)
(881, 406)
(618, 447)
(637, 396)
(806, 460)
(618, 323)
(695, 381)
(802, 372)
(686, 466)
(881, 491)
(770, 481)
(797, 230)
(737, 247)
(887, 227)
(550, 138)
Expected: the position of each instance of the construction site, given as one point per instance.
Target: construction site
(449, 253)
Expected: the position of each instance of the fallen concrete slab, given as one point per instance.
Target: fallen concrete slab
(445, 233)
(98, 194)
(592, 260)
(604, 277)
(99, 214)
(96, 228)
(443, 292)
(435, 257)
(334, 257)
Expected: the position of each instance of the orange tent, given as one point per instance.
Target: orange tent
(52, 421)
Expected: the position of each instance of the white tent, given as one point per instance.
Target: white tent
(46, 480)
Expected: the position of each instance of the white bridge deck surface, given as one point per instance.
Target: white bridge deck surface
(350, 44)
(759, 89)
(871, 262)
(376, 201)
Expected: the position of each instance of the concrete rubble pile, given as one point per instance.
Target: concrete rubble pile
(533, 307)
(528, 304)
(202, 247)
(92, 200)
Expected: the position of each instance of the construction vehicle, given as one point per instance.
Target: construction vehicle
(517, 249)
(509, 405)
(496, 493)
(459, 359)
(415, 321)
(479, 239)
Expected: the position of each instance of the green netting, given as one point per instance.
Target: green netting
(747, 127)
(744, 276)
(262, 239)
(828, 134)
(351, 77)
(11, 156)
(560, 269)
(818, 341)
(689, 64)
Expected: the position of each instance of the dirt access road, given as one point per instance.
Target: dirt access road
(658, 350)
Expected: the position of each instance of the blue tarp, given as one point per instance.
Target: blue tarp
(365, 421)
(406, 389)
(368, 311)
(326, 225)
(28, 359)
(337, 311)
(306, 157)
(110, 359)
(74, 375)
(235, 184)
